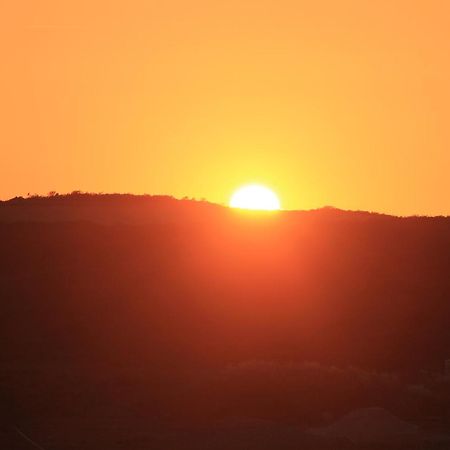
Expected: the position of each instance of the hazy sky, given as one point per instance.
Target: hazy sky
(343, 103)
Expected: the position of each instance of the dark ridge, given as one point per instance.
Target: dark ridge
(132, 322)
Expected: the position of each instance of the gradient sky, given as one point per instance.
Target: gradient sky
(343, 103)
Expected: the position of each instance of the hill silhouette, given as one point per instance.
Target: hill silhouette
(166, 314)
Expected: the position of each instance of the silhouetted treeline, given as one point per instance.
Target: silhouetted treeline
(185, 311)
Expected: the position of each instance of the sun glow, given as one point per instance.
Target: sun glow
(255, 197)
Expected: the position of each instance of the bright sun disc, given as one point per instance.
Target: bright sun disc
(255, 196)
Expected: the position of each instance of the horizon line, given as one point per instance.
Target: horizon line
(79, 193)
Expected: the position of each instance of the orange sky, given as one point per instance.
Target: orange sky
(343, 103)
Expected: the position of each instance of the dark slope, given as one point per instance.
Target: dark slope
(327, 285)
(185, 311)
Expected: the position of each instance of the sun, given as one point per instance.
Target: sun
(255, 196)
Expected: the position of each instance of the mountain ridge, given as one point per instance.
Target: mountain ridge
(127, 206)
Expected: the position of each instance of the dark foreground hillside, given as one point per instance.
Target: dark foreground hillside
(151, 323)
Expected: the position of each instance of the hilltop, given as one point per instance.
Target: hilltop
(140, 209)
(152, 310)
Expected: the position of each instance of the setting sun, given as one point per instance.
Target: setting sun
(255, 197)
